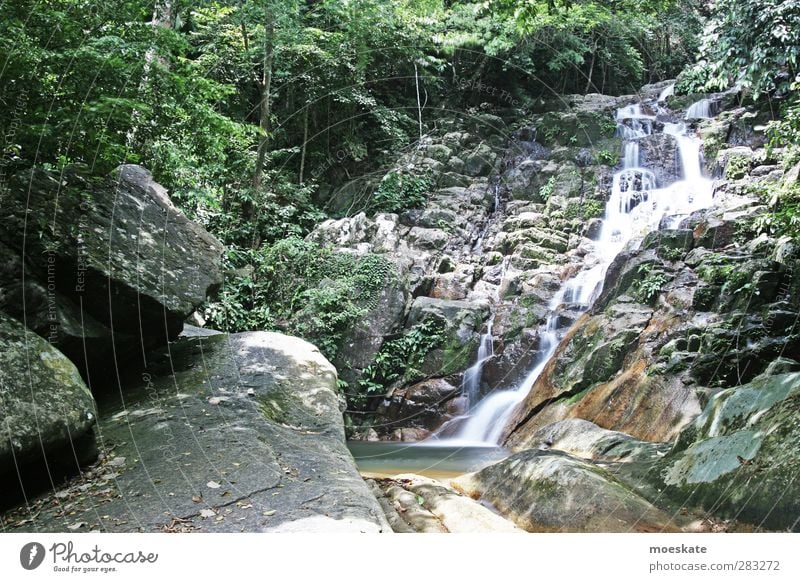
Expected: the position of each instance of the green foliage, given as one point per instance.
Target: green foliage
(547, 190)
(610, 47)
(649, 287)
(180, 92)
(718, 270)
(584, 210)
(301, 288)
(399, 359)
(400, 191)
(607, 157)
(737, 167)
(752, 42)
(784, 133)
(783, 218)
(672, 254)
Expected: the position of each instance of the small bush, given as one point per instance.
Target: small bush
(400, 191)
(647, 289)
(301, 288)
(400, 359)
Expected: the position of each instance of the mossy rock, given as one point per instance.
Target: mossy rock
(47, 410)
(546, 491)
(580, 129)
(741, 456)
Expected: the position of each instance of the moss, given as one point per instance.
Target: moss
(575, 398)
(584, 210)
(677, 102)
(739, 458)
(457, 356)
(581, 129)
(705, 297)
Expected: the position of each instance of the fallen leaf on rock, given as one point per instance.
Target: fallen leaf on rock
(213, 485)
(76, 525)
(220, 518)
(207, 513)
(270, 512)
(197, 498)
(117, 461)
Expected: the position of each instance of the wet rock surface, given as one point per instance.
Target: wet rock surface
(739, 457)
(716, 313)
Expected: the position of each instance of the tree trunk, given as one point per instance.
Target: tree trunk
(264, 88)
(305, 143)
(591, 68)
(419, 103)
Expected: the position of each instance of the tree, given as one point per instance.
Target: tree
(762, 56)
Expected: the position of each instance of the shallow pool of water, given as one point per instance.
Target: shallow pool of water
(384, 459)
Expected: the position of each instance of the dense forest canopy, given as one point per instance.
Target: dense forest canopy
(251, 112)
(236, 105)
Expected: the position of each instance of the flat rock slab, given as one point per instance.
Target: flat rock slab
(229, 433)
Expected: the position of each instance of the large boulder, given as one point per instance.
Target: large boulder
(740, 457)
(550, 491)
(362, 341)
(110, 260)
(227, 433)
(47, 413)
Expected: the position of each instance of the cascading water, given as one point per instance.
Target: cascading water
(699, 110)
(471, 383)
(636, 206)
(668, 91)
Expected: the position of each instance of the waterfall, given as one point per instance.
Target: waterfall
(471, 383)
(668, 91)
(699, 110)
(636, 206)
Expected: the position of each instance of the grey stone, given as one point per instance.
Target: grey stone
(46, 410)
(740, 455)
(113, 250)
(246, 429)
(549, 491)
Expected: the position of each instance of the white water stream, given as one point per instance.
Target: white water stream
(637, 205)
